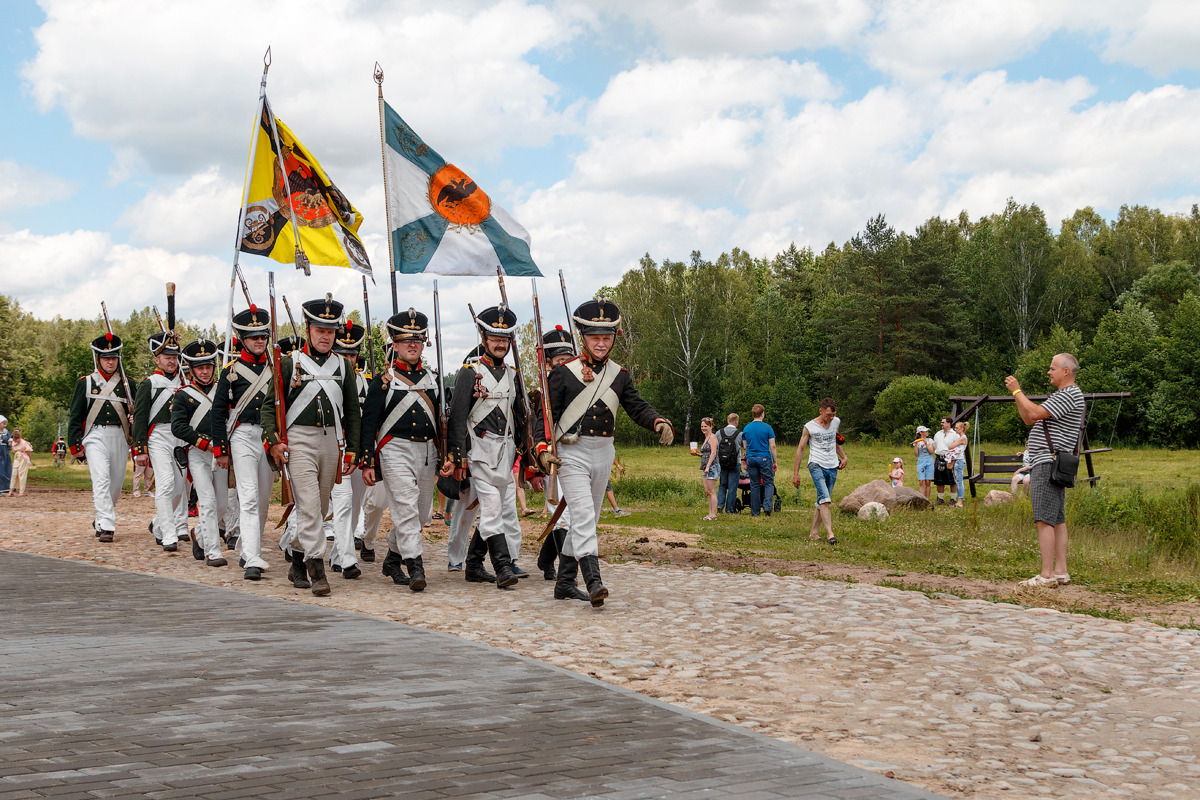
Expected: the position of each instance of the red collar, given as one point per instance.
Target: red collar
(404, 366)
(250, 358)
(490, 360)
(106, 375)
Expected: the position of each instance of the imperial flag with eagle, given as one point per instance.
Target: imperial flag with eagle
(326, 221)
(441, 221)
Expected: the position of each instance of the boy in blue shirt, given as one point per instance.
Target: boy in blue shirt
(761, 461)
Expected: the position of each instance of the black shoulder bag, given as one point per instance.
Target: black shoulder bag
(1064, 466)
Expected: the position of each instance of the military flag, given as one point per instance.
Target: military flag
(440, 220)
(289, 194)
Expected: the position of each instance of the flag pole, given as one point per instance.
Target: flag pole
(237, 241)
(387, 206)
(301, 259)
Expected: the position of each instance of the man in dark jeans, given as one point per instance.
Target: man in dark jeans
(728, 487)
(761, 461)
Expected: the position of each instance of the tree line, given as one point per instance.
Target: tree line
(890, 324)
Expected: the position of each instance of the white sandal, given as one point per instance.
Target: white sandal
(1063, 579)
(1037, 582)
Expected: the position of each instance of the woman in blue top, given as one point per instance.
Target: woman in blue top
(923, 448)
(5, 457)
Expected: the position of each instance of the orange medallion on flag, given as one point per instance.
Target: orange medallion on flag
(457, 198)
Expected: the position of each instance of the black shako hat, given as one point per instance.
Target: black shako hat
(200, 352)
(254, 321)
(349, 338)
(558, 342)
(407, 325)
(597, 316)
(164, 343)
(289, 343)
(234, 349)
(107, 345)
(497, 321)
(326, 313)
(473, 356)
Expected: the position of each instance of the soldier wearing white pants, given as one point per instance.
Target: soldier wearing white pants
(99, 429)
(374, 504)
(487, 417)
(347, 497)
(400, 426)
(584, 395)
(154, 444)
(462, 520)
(237, 414)
(322, 422)
(191, 422)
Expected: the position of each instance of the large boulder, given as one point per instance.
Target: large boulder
(878, 491)
(910, 498)
(873, 511)
(998, 497)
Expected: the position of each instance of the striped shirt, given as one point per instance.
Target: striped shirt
(1066, 409)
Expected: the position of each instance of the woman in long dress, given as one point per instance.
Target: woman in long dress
(5, 457)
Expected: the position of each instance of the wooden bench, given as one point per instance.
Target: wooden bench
(1007, 465)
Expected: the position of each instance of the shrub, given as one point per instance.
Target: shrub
(39, 423)
(908, 402)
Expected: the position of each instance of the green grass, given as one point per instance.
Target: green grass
(47, 476)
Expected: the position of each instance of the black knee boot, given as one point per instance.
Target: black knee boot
(501, 562)
(566, 589)
(476, 550)
(416, 573)
(551, 547)
(316, 574)
(393, 567)
(590, 567)
(297, 573)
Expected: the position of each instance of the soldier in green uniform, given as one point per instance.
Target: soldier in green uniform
(323, 422)
(191, 422)
(99, 429)
(154, 444)
(347, 498)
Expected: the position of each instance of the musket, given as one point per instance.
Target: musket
(369, 341)
(245, 289)
(547, 414)
(285, 490)
(291, 320)
(566, 303)
(443, 431)
(161, 328)
(127, 427)
(170, 306)
(516, 351)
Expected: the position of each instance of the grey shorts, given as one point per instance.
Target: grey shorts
(1049, 501)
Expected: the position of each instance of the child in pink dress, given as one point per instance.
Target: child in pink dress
(897, 471)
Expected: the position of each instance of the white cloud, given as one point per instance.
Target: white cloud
(25, 187)
(1158, 36)
(200, 214)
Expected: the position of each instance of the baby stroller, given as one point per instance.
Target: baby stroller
(743, 499)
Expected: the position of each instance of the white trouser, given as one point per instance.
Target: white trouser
(252, 473)
(107, 455)
(170, 499)
(491, 462)
(409, 473)
(227, 502)
(374, 504)
(582, 478)
(204, 478)
(346, 501)
(288, 537)
(462, 519)
(313, 455)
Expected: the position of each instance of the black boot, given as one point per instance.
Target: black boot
(416, 573)
(197, 550)
(393, 567)
(316, 574)
(476, 550)
(590, 567)
(297, 573)
(551, 547)
(566, 589)
(501, 562)
(367, 555)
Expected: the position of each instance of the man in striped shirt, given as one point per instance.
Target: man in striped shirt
(1055, 426)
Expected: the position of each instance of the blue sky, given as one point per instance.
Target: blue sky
(608, 129)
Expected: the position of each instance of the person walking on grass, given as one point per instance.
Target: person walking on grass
(825, 458)
(1054, 427)
(761, 461)
(22, 452)
(709, 468)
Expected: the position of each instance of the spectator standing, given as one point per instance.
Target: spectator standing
(60, 452)
(825, 458)
(923, 449)
(22, 452)
(5, 457)
(943, 476)
(1054, 426)
(710, 470)
(896, 474)
(729, 459)
(761, 461)
(957, 458)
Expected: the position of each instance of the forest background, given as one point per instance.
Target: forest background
(890, 324)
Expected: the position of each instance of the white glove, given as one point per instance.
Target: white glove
(666, 434)
(547, 460)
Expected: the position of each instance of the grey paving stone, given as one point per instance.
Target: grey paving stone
(127, 685)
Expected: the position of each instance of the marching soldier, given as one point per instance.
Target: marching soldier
(399, 444)
(559, 348)
(228, 508)
(237, 419)
(585, 393)
(99, 429)
(154, 444)
(347, 498)
(322, 422)
(487, 418)
(191, 422)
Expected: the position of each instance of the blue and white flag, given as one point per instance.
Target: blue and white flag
(440, 220)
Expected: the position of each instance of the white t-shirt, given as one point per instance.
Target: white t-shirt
(822, 443)
(941, 442)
